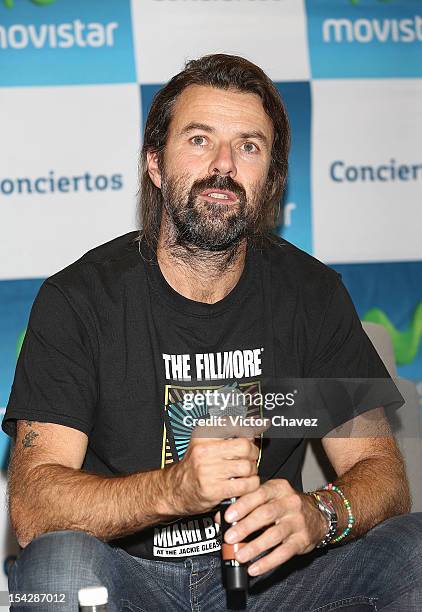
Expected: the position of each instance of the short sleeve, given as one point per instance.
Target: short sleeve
(55, 380)
(344, 351)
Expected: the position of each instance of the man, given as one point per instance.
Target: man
(108, 485)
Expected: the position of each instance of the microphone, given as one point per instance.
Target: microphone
(235, 575)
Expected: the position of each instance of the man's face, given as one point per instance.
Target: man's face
(215, 165)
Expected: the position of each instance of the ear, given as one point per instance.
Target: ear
(153, 169)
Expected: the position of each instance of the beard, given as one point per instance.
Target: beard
(205, 225)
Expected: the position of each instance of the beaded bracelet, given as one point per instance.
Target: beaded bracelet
(351, 518)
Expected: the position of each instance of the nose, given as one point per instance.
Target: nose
(223, 162)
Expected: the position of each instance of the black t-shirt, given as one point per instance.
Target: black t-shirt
(112, 350)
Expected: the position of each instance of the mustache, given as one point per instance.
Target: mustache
(218, 182)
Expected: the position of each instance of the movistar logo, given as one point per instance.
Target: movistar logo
(10, 3)
(407, 30)
(405, 343)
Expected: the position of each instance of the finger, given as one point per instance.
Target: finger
(261, 517)
(217, 517)
(237, 487)
(239, 448)
(278, 488)
(271, 537)
(235, 468)
(279, 555)
(247, 503)
(215, 450)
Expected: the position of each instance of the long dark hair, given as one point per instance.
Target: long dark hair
(224, 72)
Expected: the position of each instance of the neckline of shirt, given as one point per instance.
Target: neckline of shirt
(185, 305)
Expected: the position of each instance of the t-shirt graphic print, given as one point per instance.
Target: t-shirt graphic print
(187, 407)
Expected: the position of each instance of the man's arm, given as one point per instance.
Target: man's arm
(49, 492)
(370, 472)
(371, 475)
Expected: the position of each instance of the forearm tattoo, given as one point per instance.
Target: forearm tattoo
(28, 439)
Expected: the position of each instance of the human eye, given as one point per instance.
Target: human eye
(198, 141)
(249, 147)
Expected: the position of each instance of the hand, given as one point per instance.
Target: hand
(294, 525)
(203, 478)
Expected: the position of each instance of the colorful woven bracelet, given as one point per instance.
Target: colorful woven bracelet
(351, 518)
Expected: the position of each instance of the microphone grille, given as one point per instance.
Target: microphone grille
(228, 401)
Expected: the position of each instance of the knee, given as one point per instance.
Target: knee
(411, 532)
(402, 537)
(59, 561)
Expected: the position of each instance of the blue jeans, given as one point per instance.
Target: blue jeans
(380, 571)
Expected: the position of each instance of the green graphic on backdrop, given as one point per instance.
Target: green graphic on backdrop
(20, 342)
(10, 3)
(405, 343)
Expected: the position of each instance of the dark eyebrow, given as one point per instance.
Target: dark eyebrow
(257, 134)
(196, 126)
